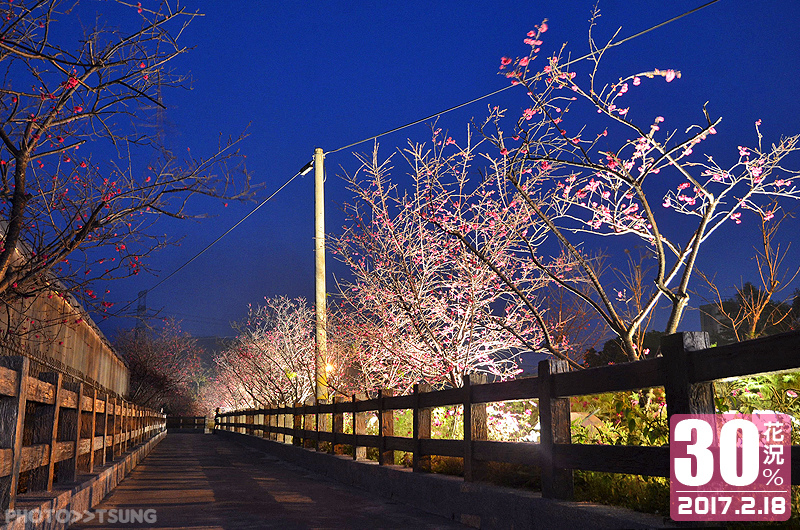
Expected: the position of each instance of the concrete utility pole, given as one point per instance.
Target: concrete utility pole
(320, 363)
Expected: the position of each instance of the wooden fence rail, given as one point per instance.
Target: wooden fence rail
(50, 429)
(197, 423)
(686, 370)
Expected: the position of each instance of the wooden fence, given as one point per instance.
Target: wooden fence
(192, 423)
(52, 429)
(686, 370)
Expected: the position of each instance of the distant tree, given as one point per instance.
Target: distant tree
(613, 351)
(757, 311)
(81, 181)
(164, 367)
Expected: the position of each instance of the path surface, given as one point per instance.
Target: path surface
(202, 482)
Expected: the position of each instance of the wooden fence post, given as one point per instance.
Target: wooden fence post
(297, 427)
(45, 431)
(287, 424)
(104, 446)
(682, 395)
(557, 483)
(250, 420)
(125, 425)
(322, 422)
(422, 429)
(308, 421)
(359, 427)
(121, 423)
(141, 425)
(12, 422)
(273, 422)
(337, 426)
(282, 423)
(134, 426)
(319, 423)
(385, 428)
(93, 432)
(70, 431)
(475, 428)
(116, 432)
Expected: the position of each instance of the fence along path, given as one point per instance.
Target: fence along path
(686, 370)
(188, 423)
(52, 429)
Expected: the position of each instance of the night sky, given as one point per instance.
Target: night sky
(300, 75)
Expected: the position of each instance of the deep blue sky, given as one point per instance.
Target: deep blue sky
(297, 75)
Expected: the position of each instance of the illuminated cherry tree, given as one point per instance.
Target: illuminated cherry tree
(81, 180)
(422, 307)
(272, 359)
(164, 367)
(561, 172)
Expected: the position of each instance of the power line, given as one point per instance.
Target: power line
(470, 102)
(305, 169)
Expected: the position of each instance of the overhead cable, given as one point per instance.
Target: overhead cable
(587, 56)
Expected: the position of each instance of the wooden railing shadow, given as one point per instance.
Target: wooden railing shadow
(686, 370)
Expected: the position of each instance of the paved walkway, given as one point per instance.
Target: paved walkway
(202, 482)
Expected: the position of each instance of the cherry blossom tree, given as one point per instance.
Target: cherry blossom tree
(562, 173)
(272, 359)
(164, 367)
(81, 181)
(421, 307)
(757, 310)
